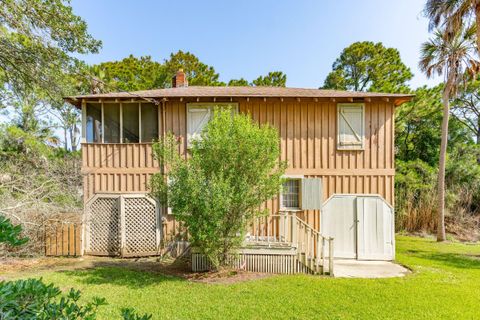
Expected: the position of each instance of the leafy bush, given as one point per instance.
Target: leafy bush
(232, 169)
(32, 299)
(10, 234)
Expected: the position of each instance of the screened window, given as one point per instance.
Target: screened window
(149, 122)
(351, 126)
(111, 118)
(291, 194)
(130, 122)
(94, 122)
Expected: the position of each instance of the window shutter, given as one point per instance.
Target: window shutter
(311, 193)
(197, 120)
(351, 127)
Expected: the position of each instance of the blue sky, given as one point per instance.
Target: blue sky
(251, 37)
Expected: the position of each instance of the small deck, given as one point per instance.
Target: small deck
(287, 246)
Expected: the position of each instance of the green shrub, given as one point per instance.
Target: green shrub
(10, 234)
(232, 169)
(32, 299)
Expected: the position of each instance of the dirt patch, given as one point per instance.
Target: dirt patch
(226, 276)
(19, 265)
(16, 268)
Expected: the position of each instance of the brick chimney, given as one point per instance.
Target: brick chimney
(179, 80)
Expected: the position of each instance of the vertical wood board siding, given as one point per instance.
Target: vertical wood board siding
(308, 137)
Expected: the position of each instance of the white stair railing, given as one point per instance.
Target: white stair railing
(286, 229)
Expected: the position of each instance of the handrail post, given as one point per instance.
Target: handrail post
(294, 230)
(323, 255)
(330, 252)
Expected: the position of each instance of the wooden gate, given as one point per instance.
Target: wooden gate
(122, 225)
(63, 239)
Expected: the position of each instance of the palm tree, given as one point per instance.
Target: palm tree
(452, 57)
(453, 15)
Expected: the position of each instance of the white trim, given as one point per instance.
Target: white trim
(103, 124)
(372, 195)
(140, 122)
(213, 104)
(84, 122)
(360, 146)
(121, 122)
(210, 106)
(292, 177)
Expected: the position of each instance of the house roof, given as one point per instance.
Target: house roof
(259, 92)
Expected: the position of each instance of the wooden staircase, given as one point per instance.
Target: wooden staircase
(289, 231)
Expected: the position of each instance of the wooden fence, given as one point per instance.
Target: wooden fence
(63, 239)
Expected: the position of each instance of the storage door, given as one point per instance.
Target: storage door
(374, 229)
(338, 221)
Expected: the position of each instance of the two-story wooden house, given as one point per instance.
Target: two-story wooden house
(339, 146)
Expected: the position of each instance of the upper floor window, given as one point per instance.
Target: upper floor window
(351, 126)
(125, 122)
(199, 114)
(94, 123)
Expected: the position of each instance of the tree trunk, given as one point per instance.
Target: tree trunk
(441, 167)
(65, 143)
(478, 137)
(477, 21)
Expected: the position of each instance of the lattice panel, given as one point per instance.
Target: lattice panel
(104, 226)
(140, 226)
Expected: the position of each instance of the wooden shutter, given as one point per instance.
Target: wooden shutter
(351, 126)
(311, 195)
(197, 119)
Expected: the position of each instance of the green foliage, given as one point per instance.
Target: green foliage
(197, 72)
(466, 107)
(32, 299)
(132, 74)
(39, 39)
(368, 66)
(417, 142)
(10, 234)
(232, 169)
(418, 127)
(131, 314)
(14, 140)
(238, 83)
(272, 79)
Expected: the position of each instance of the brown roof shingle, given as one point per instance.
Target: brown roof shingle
(205, 91)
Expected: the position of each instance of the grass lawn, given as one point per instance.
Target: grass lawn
(445, 284)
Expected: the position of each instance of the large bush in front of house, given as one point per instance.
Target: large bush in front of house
(232, 168)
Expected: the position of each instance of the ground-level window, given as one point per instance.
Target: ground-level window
(199, 114)
(290, 198)
(301, 193)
